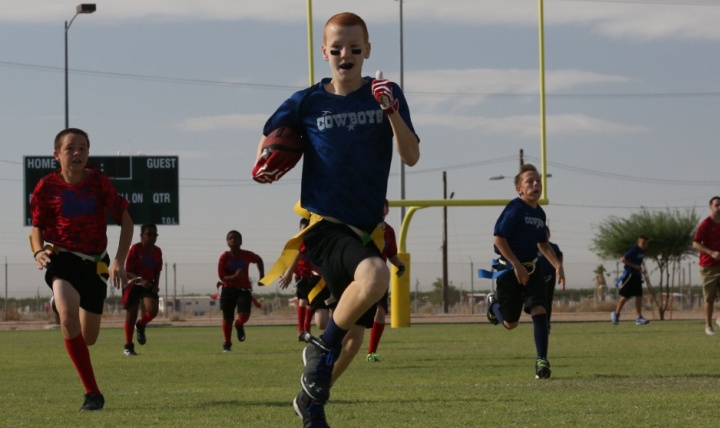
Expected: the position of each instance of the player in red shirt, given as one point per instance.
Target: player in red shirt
(69, 212)
(144, 263)
(388, 253)
(233, 270)
(707, 243)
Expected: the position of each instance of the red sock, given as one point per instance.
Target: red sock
(301, 313)
(146, 319)
(227, 331)
(129, 330)
(80, 355)
(308, 319)
(375, 335)
(242, 319)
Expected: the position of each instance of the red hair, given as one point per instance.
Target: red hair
(347, 19)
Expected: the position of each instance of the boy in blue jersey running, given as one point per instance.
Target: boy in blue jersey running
(520, 232)
(350, 124)
(630, 282)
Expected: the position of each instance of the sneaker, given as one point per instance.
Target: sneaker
(140, 333)
(491, 299)
(615, 318)
(93, 402)
(709, 331)
(373, 357)
(641, 321)
(542, 369)
(311, 412)
(240, 332)
(227, 347)
(303, 336)
(129, 351)
(319, 361)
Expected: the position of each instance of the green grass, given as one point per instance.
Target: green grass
(665, 374)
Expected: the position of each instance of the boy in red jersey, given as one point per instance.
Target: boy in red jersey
(388, 253)
(707, 242)
(69, 212)
(237, 289)
(144, 263)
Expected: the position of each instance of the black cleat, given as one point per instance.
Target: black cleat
(227, 347)
(311, 412)
(240, 332)
(542, 369)
(491, 299)
(129, 350)
(319, 361)
(140, 333)
(93, 402)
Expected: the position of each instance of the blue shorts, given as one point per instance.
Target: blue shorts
(82, 275)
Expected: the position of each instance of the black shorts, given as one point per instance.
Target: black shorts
(233, 298)
(304, 285)
(136, 294)
(514, 297)
(83, 276)
(337, 251)
(384, 301)
(631, 286)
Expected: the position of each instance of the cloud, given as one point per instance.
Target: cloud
(461, 89)
(238, 122)
(646, 21)
(528, 125)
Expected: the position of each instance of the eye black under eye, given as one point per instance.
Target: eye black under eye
(356, 51)
(334, 52)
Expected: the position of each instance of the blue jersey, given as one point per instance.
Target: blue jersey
(348, 151)
(545, 266)
(523, 227)
(635, 256)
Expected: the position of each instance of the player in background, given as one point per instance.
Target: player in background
(630, 282)
(144, 263)
(233, 271)
(388, 253)
(707, 242)
(306, 277)
(549, 274)
(519, 234)
(69, 212)
(350, 124)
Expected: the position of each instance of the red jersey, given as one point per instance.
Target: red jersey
(390, 243)
(304, 268)
(74, 216)
(708, 234)
(229, 263)
(144, 262)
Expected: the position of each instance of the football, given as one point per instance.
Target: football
(280, 152)
(286, 140)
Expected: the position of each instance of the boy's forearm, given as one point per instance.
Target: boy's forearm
(406, 141)
(126, 234)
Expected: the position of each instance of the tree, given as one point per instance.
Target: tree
(670, 233)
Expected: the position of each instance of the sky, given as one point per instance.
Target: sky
(633, 94)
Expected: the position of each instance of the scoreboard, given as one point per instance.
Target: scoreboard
(149, 183)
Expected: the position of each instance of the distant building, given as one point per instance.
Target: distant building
(195, 305)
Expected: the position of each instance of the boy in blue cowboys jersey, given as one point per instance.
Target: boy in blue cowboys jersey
(350, 124)
(519, 234)
(630, 282)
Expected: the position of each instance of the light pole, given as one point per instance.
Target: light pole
(81, 8)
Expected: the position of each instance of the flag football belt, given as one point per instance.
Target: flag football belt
(502, 267)
(101, 266)
(292, 246)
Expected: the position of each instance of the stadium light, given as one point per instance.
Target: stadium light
(81, 8)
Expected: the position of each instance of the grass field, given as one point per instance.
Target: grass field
(666, 374)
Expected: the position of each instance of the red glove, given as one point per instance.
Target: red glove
(383, 93)
(272, 165)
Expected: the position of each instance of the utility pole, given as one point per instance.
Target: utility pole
(444, 249)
